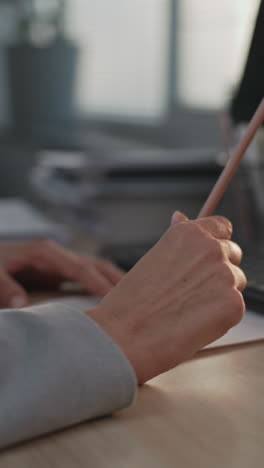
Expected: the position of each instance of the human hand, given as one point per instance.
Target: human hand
(182, 295)
(46, 263)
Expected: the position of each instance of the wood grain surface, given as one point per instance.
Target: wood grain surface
(206, 413)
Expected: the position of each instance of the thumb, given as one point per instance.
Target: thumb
(11, 293)
(178, 217)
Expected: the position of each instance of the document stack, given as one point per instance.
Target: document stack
(125, 197)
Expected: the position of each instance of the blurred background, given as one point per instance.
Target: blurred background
(106, 102)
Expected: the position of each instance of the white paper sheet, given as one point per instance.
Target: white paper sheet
(19, 220)
(251, 328)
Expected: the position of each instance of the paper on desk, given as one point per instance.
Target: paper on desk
(251, 328)
(19, 220)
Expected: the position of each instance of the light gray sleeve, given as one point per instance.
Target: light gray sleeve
(57, 368)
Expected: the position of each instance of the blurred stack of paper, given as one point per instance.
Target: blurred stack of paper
(68, 185)
(19, 220)
(125, 196)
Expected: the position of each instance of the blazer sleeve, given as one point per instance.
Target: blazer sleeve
(57, 368)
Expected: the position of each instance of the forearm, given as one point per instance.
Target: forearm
(57, 368)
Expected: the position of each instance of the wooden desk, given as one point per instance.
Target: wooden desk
(206, 413)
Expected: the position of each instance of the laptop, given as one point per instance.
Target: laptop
(250, 180)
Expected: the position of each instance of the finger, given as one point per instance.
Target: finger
(218, 226)
(240, 278)
(31, 278)
(109, 270)
(94, 281)
(178, 217)
(51, 258)
(11, 293)
(232, 251)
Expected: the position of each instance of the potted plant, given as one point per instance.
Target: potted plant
(41, 65)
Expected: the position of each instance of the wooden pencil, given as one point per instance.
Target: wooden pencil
(233, 163)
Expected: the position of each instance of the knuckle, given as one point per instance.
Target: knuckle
(42, 244)
(186, 233)
(226, 223)
(193, 228)
(245, 281)
(75, 268)
(239, 250)
(242, 279)
(227, 274)
(189, 230)
(214, 249)
(38, 250)
(236, 307)
(80, 269)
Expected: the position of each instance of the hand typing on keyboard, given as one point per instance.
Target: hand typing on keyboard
(44, 263)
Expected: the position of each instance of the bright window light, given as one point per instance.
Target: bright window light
(123, 61)
(213, 39)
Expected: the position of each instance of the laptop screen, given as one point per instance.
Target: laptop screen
(244, 201)
(251, 88)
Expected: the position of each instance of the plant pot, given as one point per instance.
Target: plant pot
(41, 81)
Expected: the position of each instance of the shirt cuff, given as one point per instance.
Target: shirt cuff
(58, 368)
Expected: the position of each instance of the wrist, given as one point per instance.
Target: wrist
(119, 333)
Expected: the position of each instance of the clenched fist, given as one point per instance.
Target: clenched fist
(182, 295)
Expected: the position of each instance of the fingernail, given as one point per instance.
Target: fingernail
(176, 217)
(17, 302)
